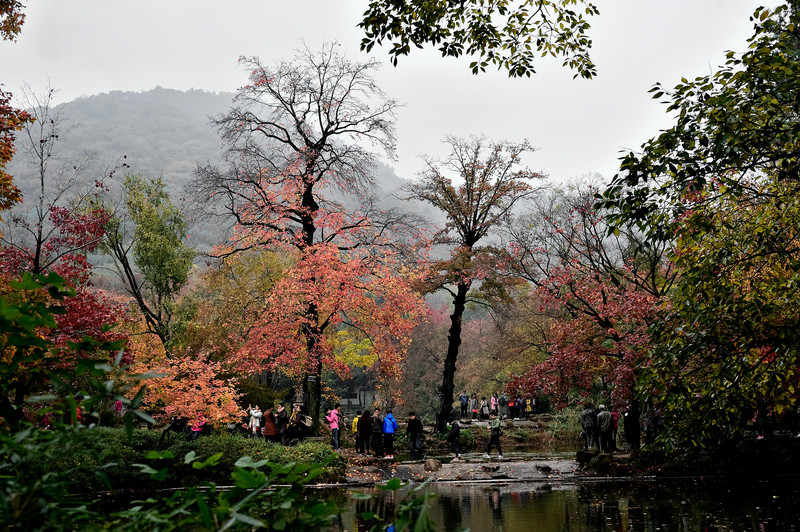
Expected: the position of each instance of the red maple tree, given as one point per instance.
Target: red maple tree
(302, 132)
(601, 288)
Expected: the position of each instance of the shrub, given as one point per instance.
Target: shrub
(104, 458)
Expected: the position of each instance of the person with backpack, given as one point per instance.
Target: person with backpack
(463, 401)
(503, 402)
(389, 429)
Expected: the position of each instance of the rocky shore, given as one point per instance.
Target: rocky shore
(367, 470)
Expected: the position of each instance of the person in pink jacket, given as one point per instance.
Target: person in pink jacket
(332, 417)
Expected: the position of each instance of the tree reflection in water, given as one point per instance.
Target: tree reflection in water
(619, 506)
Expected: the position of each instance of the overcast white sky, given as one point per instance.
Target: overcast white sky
(86, 47)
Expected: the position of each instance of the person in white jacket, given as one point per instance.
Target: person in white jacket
(255, 420)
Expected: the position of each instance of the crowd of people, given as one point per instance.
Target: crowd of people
(374, 433)
(277, 424)
(600, 427)
(516, 407)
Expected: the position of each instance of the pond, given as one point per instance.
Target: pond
(684, 505)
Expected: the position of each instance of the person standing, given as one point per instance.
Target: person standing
(503, 402)
(364, 432)
(389, 429)
(614, 429)
(377, 433)
(630, 424)
(268, 426)
(197, 425)
(454, 437)
(414, 432)
(296, 429)
(463, 401)
(604, 425)
(484, 409)
(588, 426)
(281, 422)
(356, 435)
(473, 405)
(332, 417)
(494, 437)
(495, 404)
(255, 421)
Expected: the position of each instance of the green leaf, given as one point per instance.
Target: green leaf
(246, 461)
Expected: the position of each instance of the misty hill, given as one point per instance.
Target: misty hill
(161, 132)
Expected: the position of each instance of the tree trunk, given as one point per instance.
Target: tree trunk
(312, 396)
(312, 381)
(453, 344)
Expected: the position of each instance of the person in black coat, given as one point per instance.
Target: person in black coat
(454, 437)
(414, 432)
(364, 432)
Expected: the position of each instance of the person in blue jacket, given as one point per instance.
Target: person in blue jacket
(389, 428)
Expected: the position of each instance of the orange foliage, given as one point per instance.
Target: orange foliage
(182, 385)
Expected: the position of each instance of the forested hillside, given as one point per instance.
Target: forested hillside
(159, 133)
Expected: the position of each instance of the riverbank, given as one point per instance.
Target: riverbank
(757, 458)
(474, 468)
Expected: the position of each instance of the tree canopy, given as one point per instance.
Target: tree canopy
(476, 186)
(720, 188)
(513, 35)
(743, 119)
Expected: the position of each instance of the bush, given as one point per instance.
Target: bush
(33, 496)
(105, 458)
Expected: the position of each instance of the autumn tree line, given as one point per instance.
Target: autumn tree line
(671, 287)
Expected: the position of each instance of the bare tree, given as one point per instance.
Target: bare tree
(60, 218)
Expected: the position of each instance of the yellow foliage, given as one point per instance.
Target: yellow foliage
(352, 351)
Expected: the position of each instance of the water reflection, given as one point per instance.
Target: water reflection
(680, 506)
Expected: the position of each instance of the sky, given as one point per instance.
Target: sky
(87, 47)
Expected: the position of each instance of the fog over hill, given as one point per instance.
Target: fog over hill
(161, 132)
